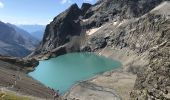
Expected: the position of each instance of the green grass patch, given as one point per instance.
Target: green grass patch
(12, 96)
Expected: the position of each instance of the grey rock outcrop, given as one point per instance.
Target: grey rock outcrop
(61, 29)
(106, 10)
(85, 7)
(24, 65)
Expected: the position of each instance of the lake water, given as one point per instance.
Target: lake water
(62, 72)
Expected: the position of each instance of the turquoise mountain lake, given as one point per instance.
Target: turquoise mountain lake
(62, 72)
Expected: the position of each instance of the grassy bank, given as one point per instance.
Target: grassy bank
(11, 96)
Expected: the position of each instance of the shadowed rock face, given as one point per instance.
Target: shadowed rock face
(85, 7)
(62, 29)
(74, 21)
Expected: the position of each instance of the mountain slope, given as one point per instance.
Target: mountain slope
(135, 32)
(14, 43)
(30, 41)
(38, 34)
(35, 30)
(58, 32)
(153, 81)
(147, 35)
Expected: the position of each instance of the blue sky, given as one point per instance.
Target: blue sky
(34, 11)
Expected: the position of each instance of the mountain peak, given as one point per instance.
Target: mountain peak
(74, 6)
(85, 7)
(72, 21)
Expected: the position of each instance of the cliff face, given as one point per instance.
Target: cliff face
(62, 29)
(75, 21)
(140, 26)
(106, 10)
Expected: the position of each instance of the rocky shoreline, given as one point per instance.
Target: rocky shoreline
(119, 81)
(25, 65)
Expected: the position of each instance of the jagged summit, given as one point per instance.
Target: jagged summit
(72, 12)
(85, 7)
(62, 28)
(74, 21)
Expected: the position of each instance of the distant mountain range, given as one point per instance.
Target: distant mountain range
(35, 30)
(15, 41)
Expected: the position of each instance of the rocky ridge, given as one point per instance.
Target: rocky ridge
(74, 22)
(15, 41)
(24, 65)
(138, 37)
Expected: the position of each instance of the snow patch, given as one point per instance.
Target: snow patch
(85, 20)
(92, 31)
(122, 22)
(115, 23)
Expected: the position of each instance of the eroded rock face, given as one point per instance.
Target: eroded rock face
(61, 29)
(106, 10)
(149, 33)
(75, 21)
(85, 7)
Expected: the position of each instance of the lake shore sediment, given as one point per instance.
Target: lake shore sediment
(111, 85)
(114, 84)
